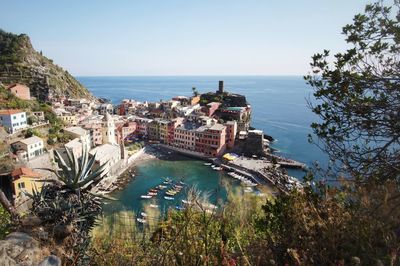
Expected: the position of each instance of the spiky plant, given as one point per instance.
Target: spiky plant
(77, 174)
(66, 206)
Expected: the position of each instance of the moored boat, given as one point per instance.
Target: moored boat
(168, 198)
(142, 221)
(146, 196)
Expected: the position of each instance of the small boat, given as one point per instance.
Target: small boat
(152, 193)
(210, 206)
(208, 164)
(182, 183)
(186, 202)
(170, 193)
(143, 214)
(179, 208)
(153, 190)
(146, 196)
(142, 221)
(132, 175)
(248, 190)
(161, 187)
(169, 198)
(217, 168)
(153, 206)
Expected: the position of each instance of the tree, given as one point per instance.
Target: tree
(358, 95)
(195, 92)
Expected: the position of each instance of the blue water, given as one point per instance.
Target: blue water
(279, 104)
(152, 173)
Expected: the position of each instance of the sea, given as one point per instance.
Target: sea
(279, 105)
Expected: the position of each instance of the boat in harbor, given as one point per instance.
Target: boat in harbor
(179, 208)
(141, 220)
(143, 214)
(146, 196)
(168, 198)
(208, 164)
(152, 193)
(209, 206)
(186, 202)
(154, 206)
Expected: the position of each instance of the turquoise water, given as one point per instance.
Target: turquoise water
(152, 173)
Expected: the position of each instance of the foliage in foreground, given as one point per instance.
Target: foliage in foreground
(5, 222)
(318, 226)
(66, 208)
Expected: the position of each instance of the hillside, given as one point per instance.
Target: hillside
(19, 62)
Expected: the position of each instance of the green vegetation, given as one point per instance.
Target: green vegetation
(197, 235)
(135, 146)
(5, 222)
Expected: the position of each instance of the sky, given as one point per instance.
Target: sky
(181, 37)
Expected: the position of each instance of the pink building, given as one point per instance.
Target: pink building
(95, 130)
(210, 140)
(127, 129)
(20, 90)
(185, 137)
(231, 131)
(210, 108)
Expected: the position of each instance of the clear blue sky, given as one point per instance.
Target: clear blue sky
(181, 37)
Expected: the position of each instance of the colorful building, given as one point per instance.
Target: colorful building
(13, 120)
(210, 140)
(24, 179)
(231, 131)
(21, 91)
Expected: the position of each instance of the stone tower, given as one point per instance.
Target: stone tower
(108, 129)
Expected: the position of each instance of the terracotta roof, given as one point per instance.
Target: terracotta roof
(10, 112)
(24, 171)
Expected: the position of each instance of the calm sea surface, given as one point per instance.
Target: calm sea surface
(279, 108)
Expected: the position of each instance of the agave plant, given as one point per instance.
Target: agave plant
(77, 173)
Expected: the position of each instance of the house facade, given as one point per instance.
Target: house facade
(13, 120)
(29, 148)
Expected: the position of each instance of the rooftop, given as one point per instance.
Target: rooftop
(75, 143)
(24, 171)
(105, 150)
(76, 130)
(10, 112)
(31, 140)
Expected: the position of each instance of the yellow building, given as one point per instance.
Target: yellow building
(69, 119)
(25, 179)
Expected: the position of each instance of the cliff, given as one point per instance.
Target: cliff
(19, 62)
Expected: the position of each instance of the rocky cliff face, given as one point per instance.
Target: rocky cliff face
(19, 62)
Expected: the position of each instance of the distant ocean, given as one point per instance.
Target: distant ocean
(278, 102)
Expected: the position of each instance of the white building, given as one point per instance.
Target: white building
(29, 148)
(75, 146)
(109, 154)
(13, 120)
(82, 134)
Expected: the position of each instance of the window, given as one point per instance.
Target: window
(21, 185)
(14, 117)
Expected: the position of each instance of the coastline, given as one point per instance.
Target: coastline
(160, 152)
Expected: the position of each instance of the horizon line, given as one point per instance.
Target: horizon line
(196, 75)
